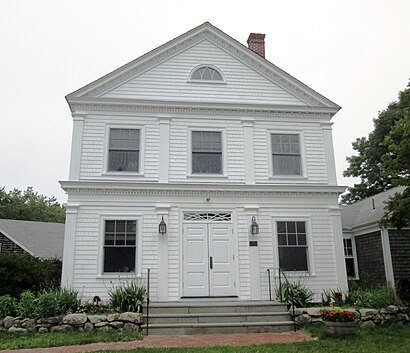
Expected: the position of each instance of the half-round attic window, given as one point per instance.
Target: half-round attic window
(206, 73)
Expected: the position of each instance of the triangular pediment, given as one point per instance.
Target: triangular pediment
(163, 75)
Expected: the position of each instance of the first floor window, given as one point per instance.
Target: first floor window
(124, 150)
(349, 257)
(292, 244)
(285, 154)
(119, 245)
(206, 152)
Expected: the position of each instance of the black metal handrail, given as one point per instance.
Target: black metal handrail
(147, 315)
(292, 297)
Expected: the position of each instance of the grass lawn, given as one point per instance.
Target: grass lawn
(32, 340)
(379, 340)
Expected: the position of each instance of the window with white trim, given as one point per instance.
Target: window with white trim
(124, 150)
(206, 73)
(292, 245)
(206, 152)
(349, 257)
(286, 157)
(120, 239)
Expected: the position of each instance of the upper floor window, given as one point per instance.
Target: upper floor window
(293, 248)
(206, 152)
(124, 150)
(286, 154)
(120, 239)
(349, 257)
(206, 73)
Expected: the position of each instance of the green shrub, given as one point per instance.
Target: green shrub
(27, 304)
(7, 306)
(20, 272)
(127, 297)
(46, 304)
(302, 296)
(68, 301)
(375, 297)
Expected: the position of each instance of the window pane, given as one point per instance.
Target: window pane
(130, 239)
(300, 226)
(120, 226)
(109, 239)
(206, 73)
(123, 161)
(291, 227)
(301, 239)
(282, 239)
(121, 259)
(206, 141)
(120, 239)
(109, 226)
(293, 258)
(207, 163)
(291, 239)
(281, 227)
(350, 267)
(286, 165)
(131, 226)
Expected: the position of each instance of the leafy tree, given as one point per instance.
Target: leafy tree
(383, 161)
(30, 206)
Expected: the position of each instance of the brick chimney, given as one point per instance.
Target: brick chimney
(256, 43)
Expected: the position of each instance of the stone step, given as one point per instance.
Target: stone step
(185, 307)
(218, 317)
(210, 328)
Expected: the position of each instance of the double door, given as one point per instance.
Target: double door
(208, 260)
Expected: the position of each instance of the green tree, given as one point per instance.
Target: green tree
(383, 161)
(30, 206)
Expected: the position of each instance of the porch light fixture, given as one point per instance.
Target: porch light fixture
(254, 227)
(162, 228)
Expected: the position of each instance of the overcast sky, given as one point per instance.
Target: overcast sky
(354, 52)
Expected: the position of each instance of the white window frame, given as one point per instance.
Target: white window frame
(353, 256)
(138, 242)
(309, 241)
(288, 177)
(191, 80)
(141, 161)
(224, 152)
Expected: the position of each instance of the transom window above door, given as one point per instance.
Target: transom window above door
(206, 152)
(286, 158)
(124, 150)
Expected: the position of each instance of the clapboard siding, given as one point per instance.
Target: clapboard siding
(170, 81)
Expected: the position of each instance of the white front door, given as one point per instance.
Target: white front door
(209, 260)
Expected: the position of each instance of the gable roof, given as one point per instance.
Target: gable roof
(41, 239)
(362, 212)
(92, 92)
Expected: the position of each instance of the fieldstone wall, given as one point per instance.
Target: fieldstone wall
(366, 318)
(73, 322)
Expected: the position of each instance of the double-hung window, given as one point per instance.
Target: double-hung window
(206, 152)
(292, 244)
(349, 257)
(124, 150)
(286, 159)
(120, 239)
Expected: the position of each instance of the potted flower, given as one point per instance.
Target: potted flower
(339, 322)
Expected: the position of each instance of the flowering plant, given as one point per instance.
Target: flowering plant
(337, 315)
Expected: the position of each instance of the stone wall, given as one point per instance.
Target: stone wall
(73, 322)
(366, 318)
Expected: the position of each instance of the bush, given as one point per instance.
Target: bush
(375, 297)
(128, 297)
(51, 302)
(27, 304)
(7, 306)
(302, 296)
(20, 272)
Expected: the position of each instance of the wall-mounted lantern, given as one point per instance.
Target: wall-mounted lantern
(254, 226)
(162, 228)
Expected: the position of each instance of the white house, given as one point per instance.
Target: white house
(207, 135)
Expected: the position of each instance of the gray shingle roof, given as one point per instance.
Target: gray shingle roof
(362, 212)
(41, 239)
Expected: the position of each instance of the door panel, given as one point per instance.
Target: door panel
(221, 280)
(196, 268)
